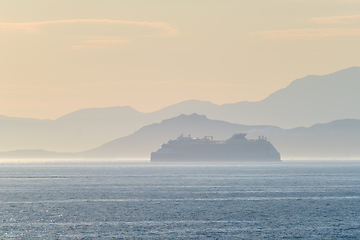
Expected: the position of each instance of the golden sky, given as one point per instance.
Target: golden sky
(57, 56)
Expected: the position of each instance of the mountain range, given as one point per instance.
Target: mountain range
(305, 102)
(338, 139)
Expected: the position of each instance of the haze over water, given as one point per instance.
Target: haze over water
(153, 201)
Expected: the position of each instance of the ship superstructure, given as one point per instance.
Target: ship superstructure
(235, 149)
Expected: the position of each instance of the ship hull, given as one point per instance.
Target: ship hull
(161, 157)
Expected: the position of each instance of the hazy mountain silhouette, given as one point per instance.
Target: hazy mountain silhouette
(306, 101)
(149, 138)
(334, 140)
(77, 131)
(338, 139)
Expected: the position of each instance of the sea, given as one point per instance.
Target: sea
(124, 200)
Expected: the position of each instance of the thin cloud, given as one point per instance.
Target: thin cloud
(310, 33)
(337, 19)
(34, 26)
(96, 42)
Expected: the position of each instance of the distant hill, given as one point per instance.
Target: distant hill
(335, 140)
(77, 131)
(306, 101)
(338, 139)
(140, 144)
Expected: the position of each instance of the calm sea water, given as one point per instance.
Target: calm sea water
(175, 201)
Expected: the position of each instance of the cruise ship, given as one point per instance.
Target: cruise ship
(235, 149)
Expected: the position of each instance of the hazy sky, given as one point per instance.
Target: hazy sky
(60, 56)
